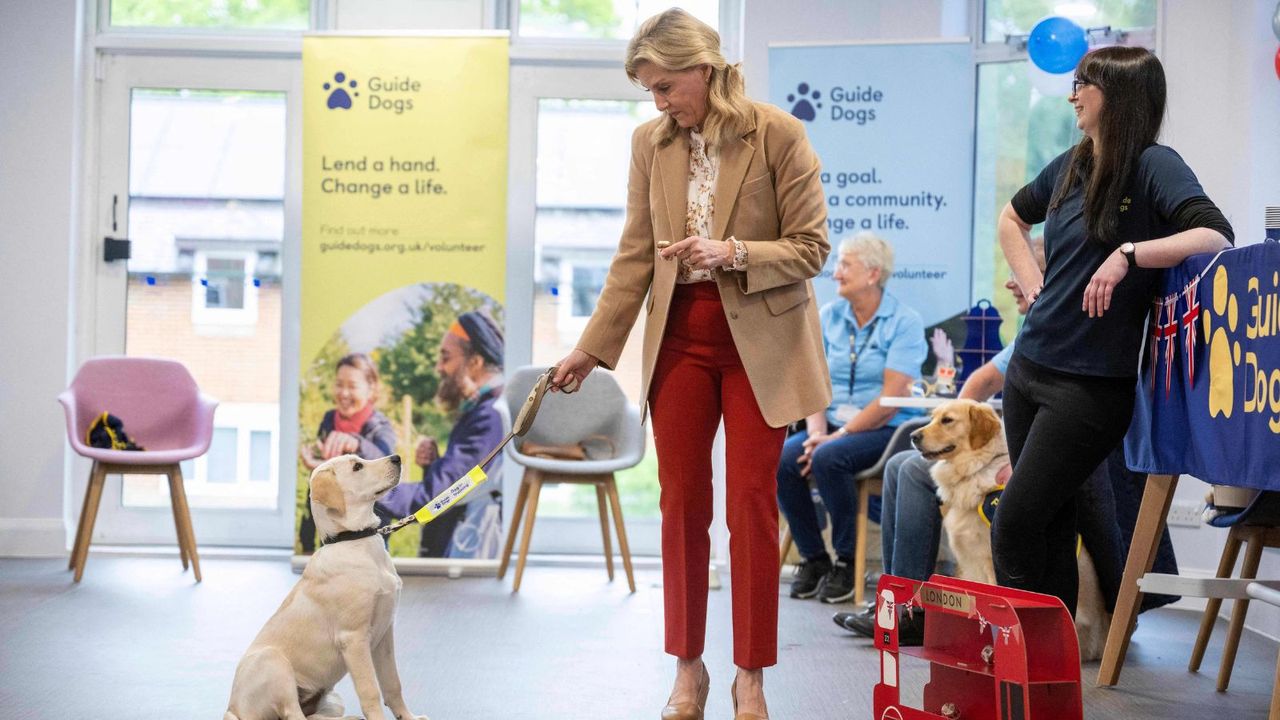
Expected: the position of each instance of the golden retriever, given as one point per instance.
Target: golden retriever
(966, 439)
(338, 618)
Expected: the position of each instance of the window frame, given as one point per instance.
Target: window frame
(596, 51)
(1014, 49)
(224, 39)
(204, 316)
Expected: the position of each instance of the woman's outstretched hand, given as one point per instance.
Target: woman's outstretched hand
(573, 369)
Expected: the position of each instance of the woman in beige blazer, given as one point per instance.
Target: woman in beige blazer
(726, 224)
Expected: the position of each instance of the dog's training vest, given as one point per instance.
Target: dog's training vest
(990, 502)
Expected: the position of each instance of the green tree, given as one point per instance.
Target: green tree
(1019, 16)
(290, 14)
(597, 15)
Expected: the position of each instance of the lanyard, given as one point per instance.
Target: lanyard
(855, 352)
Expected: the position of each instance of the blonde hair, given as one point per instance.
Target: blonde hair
(873, 251)
(674, 40)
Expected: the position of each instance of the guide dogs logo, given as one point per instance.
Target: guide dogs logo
(338, 95)
(801, 108)
(395, 93)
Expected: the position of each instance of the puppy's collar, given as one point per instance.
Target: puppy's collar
(350, 535)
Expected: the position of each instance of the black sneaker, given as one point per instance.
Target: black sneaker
(838, 586)
(809, 576)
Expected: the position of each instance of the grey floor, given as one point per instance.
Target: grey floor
(139, 639)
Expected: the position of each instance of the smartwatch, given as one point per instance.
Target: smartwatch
(1129, 250)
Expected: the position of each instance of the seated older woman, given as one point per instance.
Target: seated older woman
(874, 346)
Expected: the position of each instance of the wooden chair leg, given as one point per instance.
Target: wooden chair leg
(1226, 565)
(860, 549)
(84, 517)
(1275, 694)
(97, 478)
(516, 513)
(604, 530)
(784, 547)
(1157, 495)
(1240, 608)
(183, 511)
(535, 488)
(623, 546)
(177, 522)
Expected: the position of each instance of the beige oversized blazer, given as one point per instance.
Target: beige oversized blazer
(769, 195)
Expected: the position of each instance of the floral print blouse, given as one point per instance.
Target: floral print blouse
(704, 167)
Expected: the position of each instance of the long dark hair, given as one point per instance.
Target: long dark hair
(1132, 83)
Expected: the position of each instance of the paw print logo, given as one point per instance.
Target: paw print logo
(801, 107)
(338, 95)
(1224, 354)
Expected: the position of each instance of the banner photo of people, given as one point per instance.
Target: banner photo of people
(893, 126)
(404, 274)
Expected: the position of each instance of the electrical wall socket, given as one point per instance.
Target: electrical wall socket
(1186, 513)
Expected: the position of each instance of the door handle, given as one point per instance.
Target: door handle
(115, 249)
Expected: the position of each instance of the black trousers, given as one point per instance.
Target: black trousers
(1060, 427)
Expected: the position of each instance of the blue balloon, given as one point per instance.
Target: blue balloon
(1057, 44)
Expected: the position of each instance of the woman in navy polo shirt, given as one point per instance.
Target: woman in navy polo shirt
(874, 346)
(1115, 207)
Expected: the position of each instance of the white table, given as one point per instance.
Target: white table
(928, 403)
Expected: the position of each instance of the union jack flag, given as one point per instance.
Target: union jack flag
(1192, 302)
(1168, 330)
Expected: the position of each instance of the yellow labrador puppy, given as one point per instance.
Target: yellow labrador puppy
(338, 618)
(967, 440)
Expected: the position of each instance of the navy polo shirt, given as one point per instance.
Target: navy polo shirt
(1057, 333)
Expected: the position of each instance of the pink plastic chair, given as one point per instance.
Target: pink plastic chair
(163, 411)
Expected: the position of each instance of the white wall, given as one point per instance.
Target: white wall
(38, 51)
(1224, 119)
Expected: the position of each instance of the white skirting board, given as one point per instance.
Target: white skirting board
(32, 537)
(489, 568)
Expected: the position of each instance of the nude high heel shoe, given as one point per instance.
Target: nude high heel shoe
(690, 710)
(733, 690)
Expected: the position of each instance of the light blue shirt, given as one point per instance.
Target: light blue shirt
(892, 340)
(1001, 360)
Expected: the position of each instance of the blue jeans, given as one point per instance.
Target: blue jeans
(832, 468)
(911, 521)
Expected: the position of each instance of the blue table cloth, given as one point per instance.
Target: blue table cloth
(1209, 387)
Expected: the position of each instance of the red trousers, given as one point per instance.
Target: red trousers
(698, 379)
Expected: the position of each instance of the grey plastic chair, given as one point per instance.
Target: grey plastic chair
(599, 408)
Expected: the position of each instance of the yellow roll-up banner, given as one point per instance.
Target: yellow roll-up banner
(403, 273)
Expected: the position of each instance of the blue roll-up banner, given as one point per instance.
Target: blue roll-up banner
(893, 124)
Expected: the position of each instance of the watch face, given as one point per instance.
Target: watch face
(1126, 248)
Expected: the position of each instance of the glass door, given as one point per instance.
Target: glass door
(571, 148)
(197, 159)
